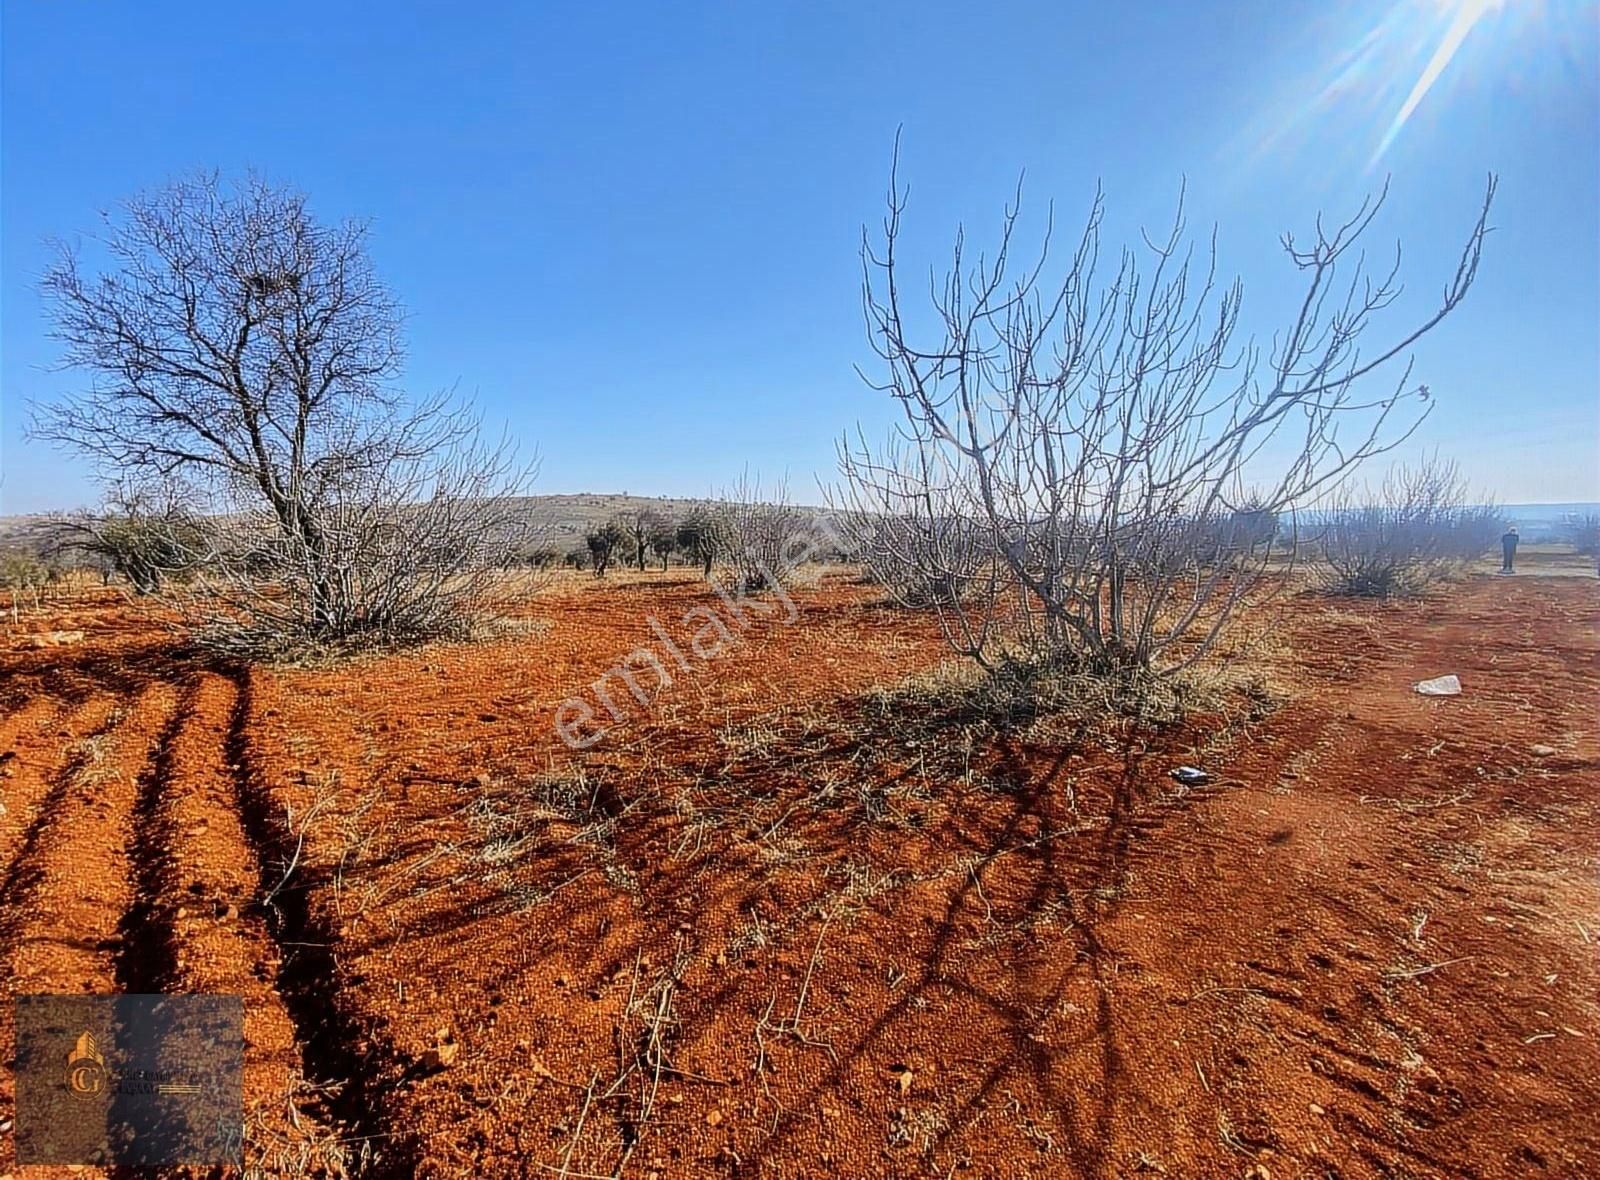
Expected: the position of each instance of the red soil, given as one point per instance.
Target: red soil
(764, 927)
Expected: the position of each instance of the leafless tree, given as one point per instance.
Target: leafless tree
(914, 544)
(245, 355)
(1586, 535)
(765, 536)
(1413, 529)
(1098, 431)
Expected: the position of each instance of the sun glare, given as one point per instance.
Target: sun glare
(1400, 59)
(1464, 16)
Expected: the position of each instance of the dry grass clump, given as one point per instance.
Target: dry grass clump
(1041, 698)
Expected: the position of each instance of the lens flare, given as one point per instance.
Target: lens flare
(1464, 16)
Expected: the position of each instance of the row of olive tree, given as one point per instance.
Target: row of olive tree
(758, 533)
(637, 535)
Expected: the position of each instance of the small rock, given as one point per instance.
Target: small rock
(57, 638)
(440, 1056)
(1315, 1109)
(1541, 750)
(714, 1119)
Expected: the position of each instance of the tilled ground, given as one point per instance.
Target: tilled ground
(775, 923)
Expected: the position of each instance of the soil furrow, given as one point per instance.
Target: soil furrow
(146, 954)
(352, 1067)
(71, 881)
(37, 778)
(203, 891)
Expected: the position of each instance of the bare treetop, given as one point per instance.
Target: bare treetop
(243, 360)
(1100, 428)
(234, 338)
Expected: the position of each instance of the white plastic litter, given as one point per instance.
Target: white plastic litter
(1190, 776)
(1440, 686)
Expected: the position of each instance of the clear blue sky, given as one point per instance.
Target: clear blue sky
(632, 229)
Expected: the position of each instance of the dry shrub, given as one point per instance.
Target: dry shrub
(1414, 530)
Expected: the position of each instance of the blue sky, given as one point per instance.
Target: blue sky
(632, 229)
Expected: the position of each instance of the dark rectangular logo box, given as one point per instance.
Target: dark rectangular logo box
(139, 1081)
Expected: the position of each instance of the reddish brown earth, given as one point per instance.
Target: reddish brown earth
(771, 927)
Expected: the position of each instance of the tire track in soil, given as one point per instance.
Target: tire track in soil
(38, 777)
(71, 879)
(354, 1068)
(199, 875)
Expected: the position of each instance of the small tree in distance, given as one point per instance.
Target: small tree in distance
(701, 539)
(765, 535)
(1412, 530)
(605, 544)
(663, 540)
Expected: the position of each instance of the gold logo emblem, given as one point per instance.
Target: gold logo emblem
(86, 1068)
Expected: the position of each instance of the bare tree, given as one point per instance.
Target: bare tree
(914, 544)
(1586, 535)
(244, 354)
(1412, 530)
(765, 536)
(1097, 431)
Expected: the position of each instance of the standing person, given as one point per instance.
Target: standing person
(1508, 550)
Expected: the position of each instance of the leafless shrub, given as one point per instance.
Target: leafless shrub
(1586, 535)
(242, 356)
(1096, 432)
(1411, 531)
(921, 556)
(766, 537)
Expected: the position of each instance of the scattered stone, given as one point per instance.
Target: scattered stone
(714, 1119)
(1541, 750)
(1315, 1109)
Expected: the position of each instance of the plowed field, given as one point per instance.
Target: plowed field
(776, 923)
